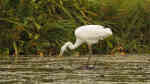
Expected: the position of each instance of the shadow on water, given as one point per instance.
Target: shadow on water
(51, 70)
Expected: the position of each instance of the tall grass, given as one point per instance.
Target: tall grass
(33, 26)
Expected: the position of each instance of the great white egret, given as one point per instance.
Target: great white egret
(89, 34)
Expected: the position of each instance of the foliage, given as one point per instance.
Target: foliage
(30, 26)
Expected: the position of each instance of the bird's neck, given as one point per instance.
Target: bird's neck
(70, 45)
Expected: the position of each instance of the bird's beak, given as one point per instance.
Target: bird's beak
(61, 52)
(109, 38)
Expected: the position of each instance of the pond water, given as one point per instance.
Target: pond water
(130, 69)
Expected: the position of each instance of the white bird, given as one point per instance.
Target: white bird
(89, 34)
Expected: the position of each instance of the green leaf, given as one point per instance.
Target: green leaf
(110, 45)
(38, 26)
(36, 36)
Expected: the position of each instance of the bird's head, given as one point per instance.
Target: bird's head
(109, 37)
(109, 31)
(109, 34)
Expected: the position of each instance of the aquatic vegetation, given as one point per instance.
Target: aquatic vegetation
(42, 26)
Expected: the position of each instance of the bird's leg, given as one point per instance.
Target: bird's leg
(90, 51)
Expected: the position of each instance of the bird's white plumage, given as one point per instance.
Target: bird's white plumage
(92, 33)
(89, 34)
